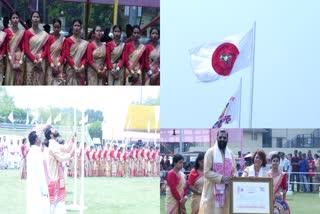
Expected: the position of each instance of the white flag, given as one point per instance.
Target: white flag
(57, 119)
(219, 59)
(231, 112)
(27, 119)
(49, 121)
(10, 117)
(85, 119)
(33, 121)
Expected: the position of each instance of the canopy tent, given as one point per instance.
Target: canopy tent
(142, 118)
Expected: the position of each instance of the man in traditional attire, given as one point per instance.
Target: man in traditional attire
(219, 168)
(57, 154)
(37, 180)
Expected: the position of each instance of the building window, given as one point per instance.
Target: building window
(279, 142)
(254, 136)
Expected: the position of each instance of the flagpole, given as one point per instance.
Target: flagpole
(82, 168)
(241, 148)
(87, 15)
(74, 205)
(240, 102)
(75, 158)
(115, 12)
(252, 73)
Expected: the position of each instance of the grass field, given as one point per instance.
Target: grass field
(102, 195)
(299, 203)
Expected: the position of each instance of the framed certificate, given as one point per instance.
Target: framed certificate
(251, 195)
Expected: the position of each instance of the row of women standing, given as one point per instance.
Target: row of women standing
(34, 57)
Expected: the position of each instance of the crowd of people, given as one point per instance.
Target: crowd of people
(105, 160)
(113, 160)
(36, 57)
(209, 183)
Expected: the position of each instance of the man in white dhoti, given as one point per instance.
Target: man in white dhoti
(57, 154)
(219, 168)
(37, 186)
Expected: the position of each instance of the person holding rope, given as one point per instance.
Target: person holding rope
(57, 154)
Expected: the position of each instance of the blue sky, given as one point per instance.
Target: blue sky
(286, 76)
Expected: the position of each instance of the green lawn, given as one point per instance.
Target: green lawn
(299, 203)
(102, 195)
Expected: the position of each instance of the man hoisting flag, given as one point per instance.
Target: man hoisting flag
(220, 59)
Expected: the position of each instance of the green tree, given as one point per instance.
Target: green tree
(95, 129)
(6, 105)
(152, 101)
(94, 116)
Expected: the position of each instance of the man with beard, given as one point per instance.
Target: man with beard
(57, 154)
(219, 168)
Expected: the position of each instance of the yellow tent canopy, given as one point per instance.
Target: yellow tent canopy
(142, 118)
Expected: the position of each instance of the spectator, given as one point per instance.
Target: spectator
(303, 173)
(295, 170)
(311, 173)
(284, 163)
(317, 177)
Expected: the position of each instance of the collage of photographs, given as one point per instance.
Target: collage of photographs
(83, 130)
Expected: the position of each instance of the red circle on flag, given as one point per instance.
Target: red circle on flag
(223, 58)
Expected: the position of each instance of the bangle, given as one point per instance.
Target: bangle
(10, 58)
(20, 62)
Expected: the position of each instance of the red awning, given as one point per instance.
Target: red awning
(142, 3)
